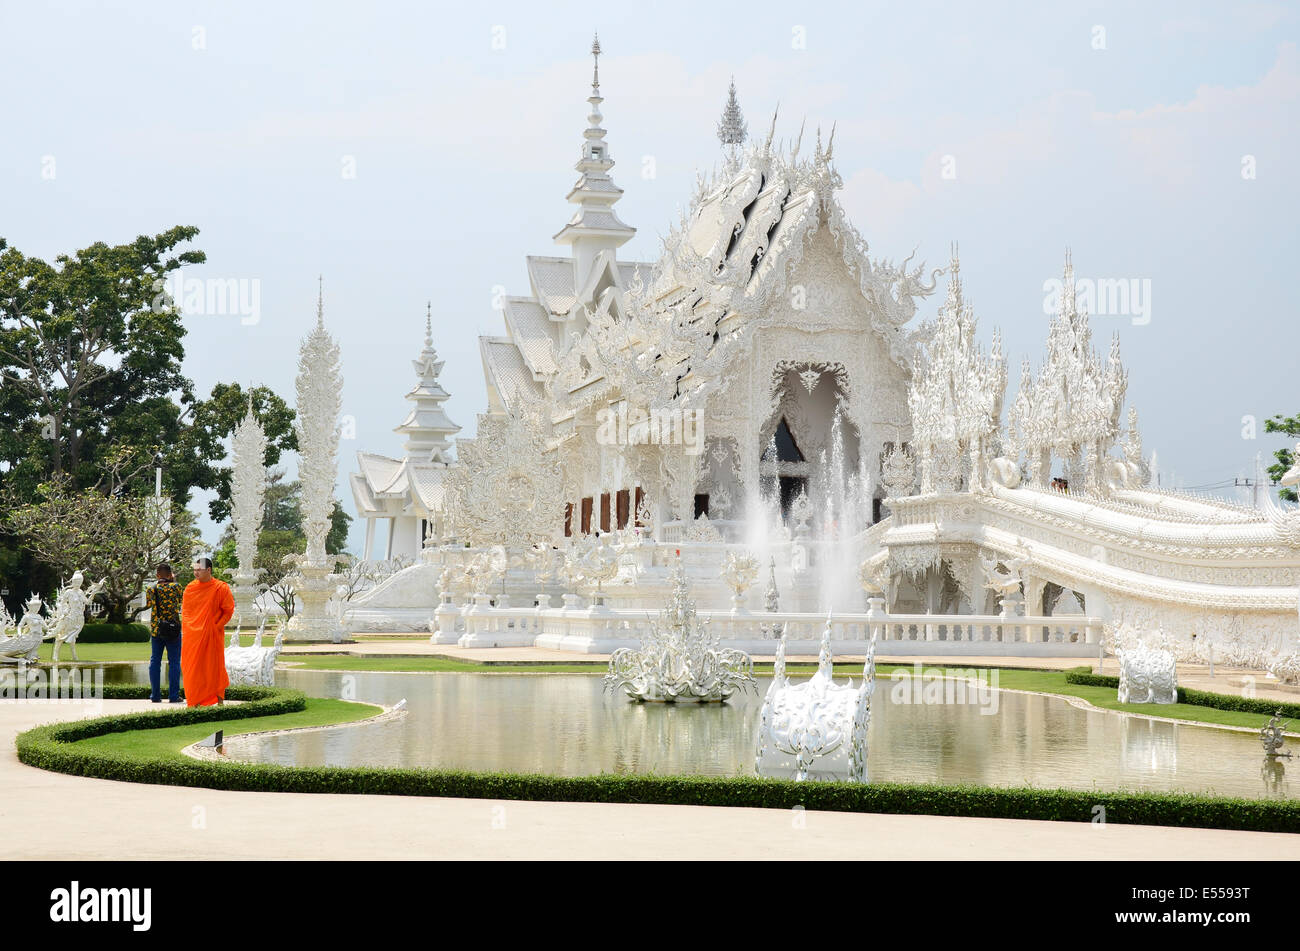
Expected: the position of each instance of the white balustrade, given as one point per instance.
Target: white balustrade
(602, 628)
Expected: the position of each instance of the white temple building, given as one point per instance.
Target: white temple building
(407, 493)
(765, 387)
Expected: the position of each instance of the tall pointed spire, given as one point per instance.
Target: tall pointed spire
(427, 429)
(732, 130)
(594, 227)
(320, 300)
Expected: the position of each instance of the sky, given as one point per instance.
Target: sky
(413, 153)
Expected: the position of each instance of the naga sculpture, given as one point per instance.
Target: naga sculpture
(20, 647)
(1272, 737)
(1147, 675)
(679, 661)
(821, 724)
(255, 665)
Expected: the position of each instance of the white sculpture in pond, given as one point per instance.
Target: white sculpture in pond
(20, 647)
(254, 666)
(820, 723)
(680, 661)
(1147, 675)
(69, 614)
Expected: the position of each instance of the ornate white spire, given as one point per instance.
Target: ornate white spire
(320, 387)
(594, 226)
(427, 429)
(1071, 408)
(732, 130)
(247, 493)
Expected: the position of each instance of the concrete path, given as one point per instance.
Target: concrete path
(53, 816)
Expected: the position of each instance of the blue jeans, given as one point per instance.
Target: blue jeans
(173, 647)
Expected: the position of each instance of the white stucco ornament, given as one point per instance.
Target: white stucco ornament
(20, 646)
(320, 392)
(69, 614)
(247, 492)
(680, 660)
(1147, 674)
(816, 729)
(739, 572)
(255, 665)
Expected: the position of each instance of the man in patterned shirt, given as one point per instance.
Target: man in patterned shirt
(164, 602)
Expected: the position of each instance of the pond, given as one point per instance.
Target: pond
(564, 724)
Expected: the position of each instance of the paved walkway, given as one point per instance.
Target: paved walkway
(53, 816)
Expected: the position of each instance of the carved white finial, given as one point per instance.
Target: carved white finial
(320, 300)
(428, 326)
(732, 129)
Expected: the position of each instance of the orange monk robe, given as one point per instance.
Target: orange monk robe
(205, 608)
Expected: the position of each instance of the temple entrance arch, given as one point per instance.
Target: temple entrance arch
(809, 445)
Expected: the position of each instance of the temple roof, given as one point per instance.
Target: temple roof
(552, 281)
(510, 382)
(387, 486)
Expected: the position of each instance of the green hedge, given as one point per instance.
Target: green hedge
(1083, 676)
(112, 633)
(54, 747)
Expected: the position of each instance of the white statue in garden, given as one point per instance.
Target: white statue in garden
(21, 647)
(69, 614)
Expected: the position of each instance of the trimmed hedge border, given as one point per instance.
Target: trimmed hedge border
(1083, 676)
(113, 634)
(53, 747)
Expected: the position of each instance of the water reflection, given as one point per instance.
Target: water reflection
(564, 725)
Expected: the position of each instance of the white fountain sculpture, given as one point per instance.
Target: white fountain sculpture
(680, 660)
(247, 493)
(1147, 674)
(821, 724)
(69, 614)
(591, 562)
(1005, 581)
(253, 665)
(319, 388)
(739, 572)
(20, 648)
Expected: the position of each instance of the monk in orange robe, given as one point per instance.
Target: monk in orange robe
(206, 606)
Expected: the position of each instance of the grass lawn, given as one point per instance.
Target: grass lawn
(116, 651)
(1047, 681)
(168, 742)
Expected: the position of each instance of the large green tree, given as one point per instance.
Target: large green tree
(91, 388)
(90, 360)
(117, 537)
(1290, 426)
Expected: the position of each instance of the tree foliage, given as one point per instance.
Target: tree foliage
(120, 538)
(1290, 426)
